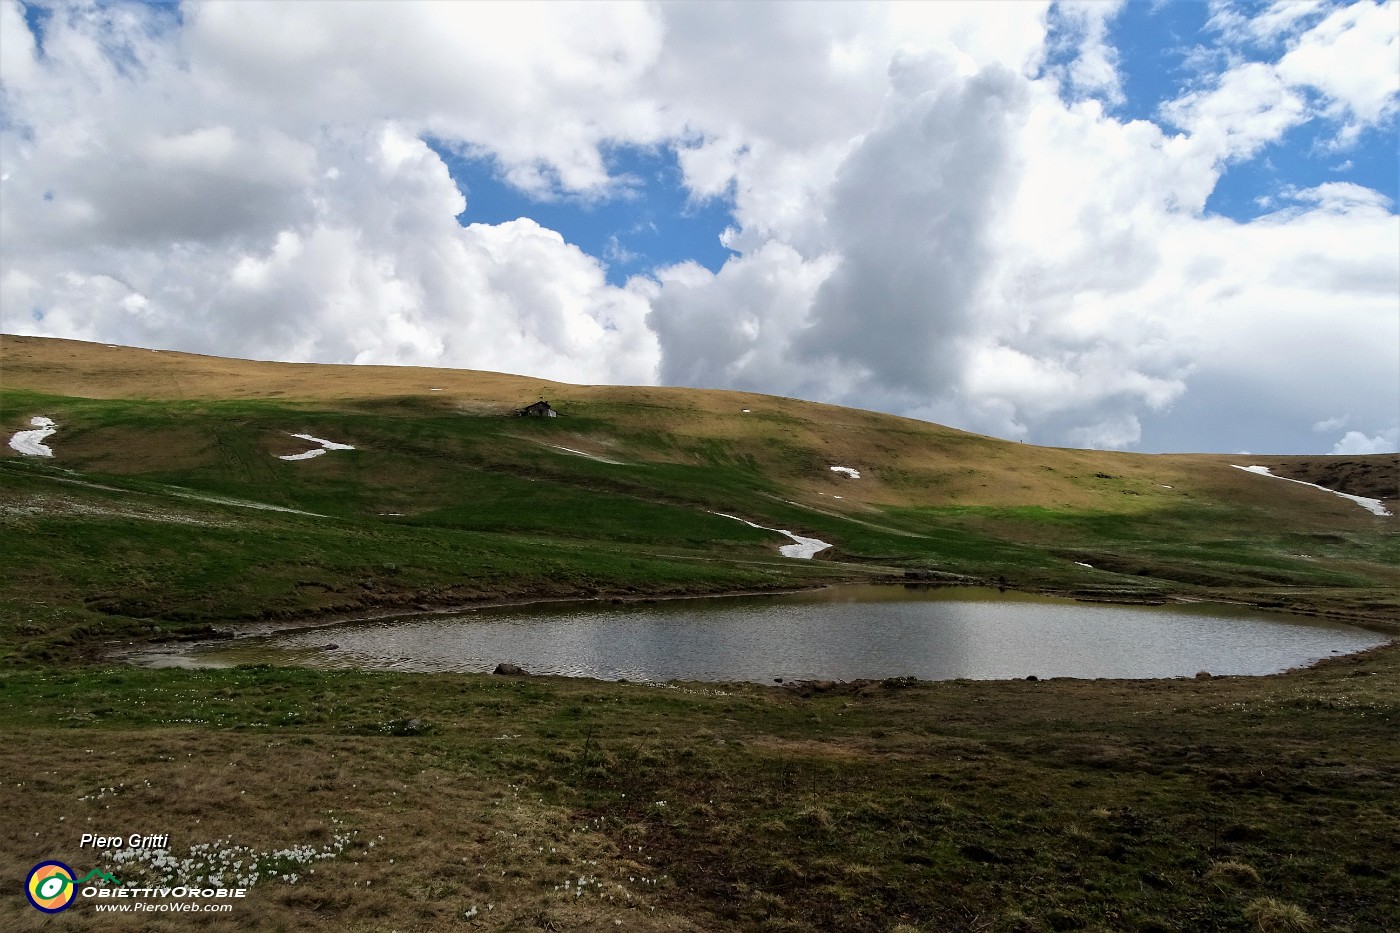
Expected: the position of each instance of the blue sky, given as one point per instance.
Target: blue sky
(1159, 44)
(928, 215)
(649, 220)
(1163, 49)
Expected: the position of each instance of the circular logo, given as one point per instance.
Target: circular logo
(50, 887)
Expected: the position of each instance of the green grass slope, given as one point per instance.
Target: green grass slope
(145, 519)
(473, 802)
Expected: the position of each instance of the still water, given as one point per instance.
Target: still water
(840, 633)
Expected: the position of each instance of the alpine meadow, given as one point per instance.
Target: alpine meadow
(168, 510)
(700, 466)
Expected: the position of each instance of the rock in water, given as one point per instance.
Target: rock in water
(510, 670)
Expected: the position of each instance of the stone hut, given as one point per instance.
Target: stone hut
(540, 409)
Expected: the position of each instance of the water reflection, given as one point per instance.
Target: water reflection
(839, 634)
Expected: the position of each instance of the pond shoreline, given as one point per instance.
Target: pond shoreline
(185, 651)
(312, 619)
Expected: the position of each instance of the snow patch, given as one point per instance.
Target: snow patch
(579, 453)
(1082, 564)
(853, 474)
(746, 411)
(315, 452)
(1373, 506)
(228, 500)
(802, 548)
(53, 506)
(184, 493)
(30, 443)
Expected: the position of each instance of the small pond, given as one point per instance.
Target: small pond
(839, 633)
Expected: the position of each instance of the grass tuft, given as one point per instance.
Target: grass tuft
(1274, 916)
(1232, 871)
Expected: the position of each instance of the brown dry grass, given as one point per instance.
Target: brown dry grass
(443, 841)
(1270, 915)
(904, 462)
(94, 370)
(1232, 871)
(1099, 804)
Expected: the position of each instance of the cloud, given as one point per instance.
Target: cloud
(1355, 442)
(876, 296)
(1274, 22)
(1350, 60)
(1353, 59)
(1340, 197)
(909, 213)
(1094, 69)
(368, 266)
(924, 221)
(734, 328)
(1250, 107)
(108, 146)
(538, 86)
(616, 252)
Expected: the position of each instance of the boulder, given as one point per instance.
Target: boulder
(506, 669)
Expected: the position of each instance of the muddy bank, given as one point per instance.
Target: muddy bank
(279, 623)
(411, 607)
(840, 633)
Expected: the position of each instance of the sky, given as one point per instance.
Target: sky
(1150, 226)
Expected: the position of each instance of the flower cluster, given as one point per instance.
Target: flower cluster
(118, 788)
(223, 864)
(692, 691)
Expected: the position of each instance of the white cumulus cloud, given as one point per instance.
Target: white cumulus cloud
(926, 217)
(1356, 442)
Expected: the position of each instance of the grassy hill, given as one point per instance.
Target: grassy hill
(372, 801)
(135, 522)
